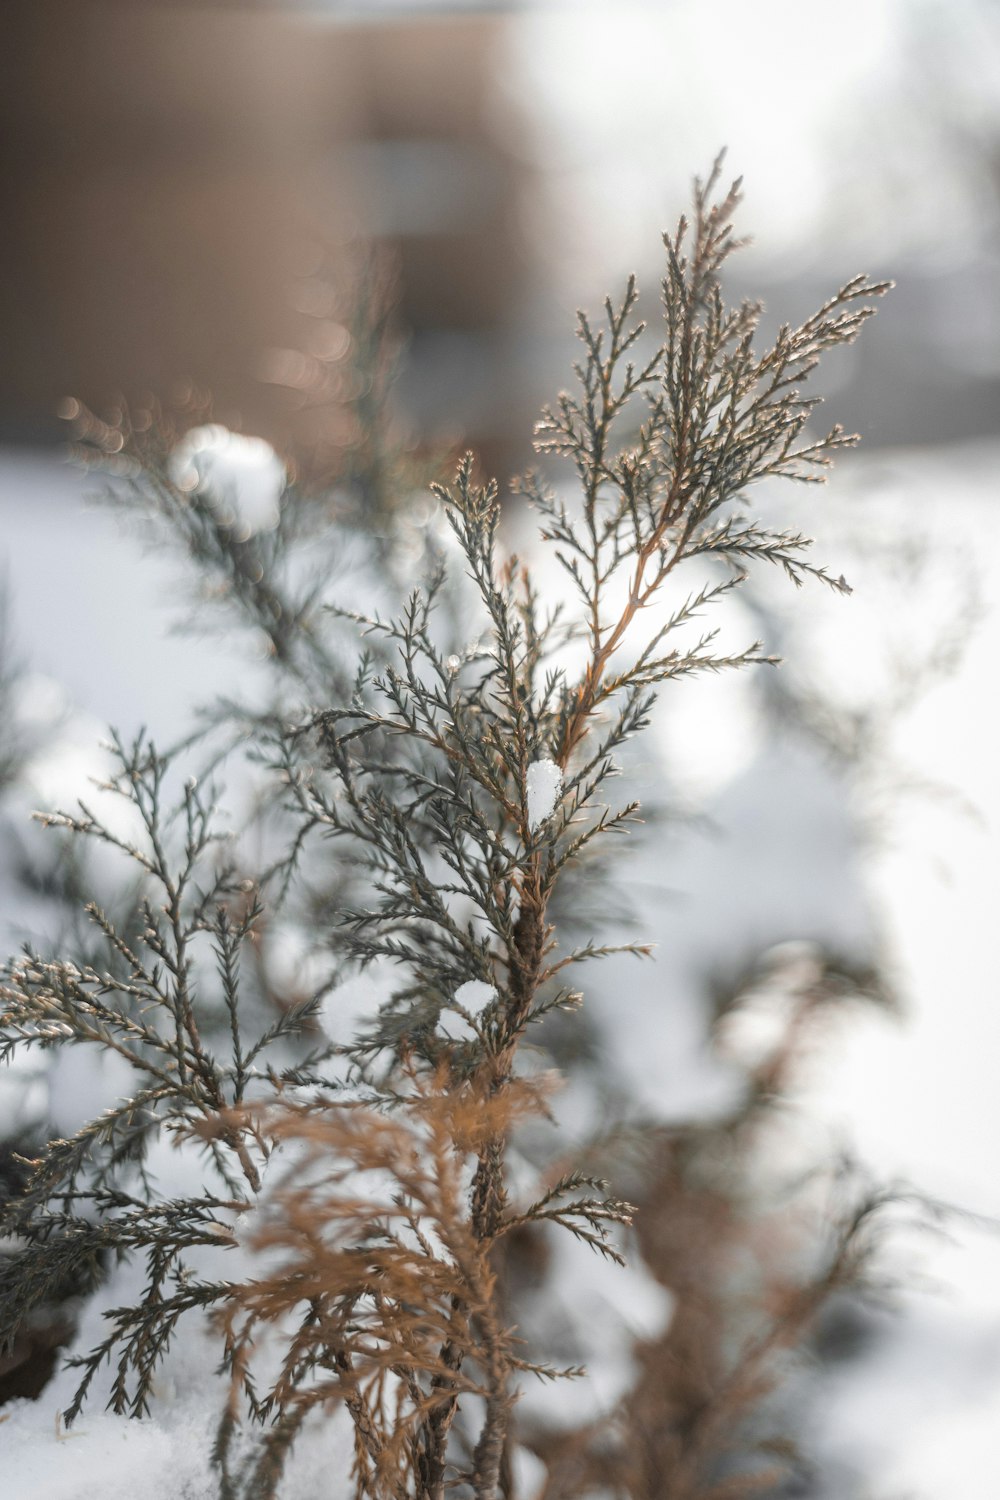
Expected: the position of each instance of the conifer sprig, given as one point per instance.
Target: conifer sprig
(435, 788)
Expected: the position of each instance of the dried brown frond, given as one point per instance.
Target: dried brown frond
(382, 1295)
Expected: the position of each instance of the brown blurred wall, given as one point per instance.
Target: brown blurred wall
(164, 167)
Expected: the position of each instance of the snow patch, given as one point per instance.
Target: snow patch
(242, 477)
(469, 999)
(474, 994)
(544, 783)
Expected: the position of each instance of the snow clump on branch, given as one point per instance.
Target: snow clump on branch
(544, 783)
(242, 477)
(474, 995)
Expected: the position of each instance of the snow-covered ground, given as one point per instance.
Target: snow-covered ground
(917, 1098)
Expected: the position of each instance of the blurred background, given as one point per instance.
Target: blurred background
(175, 178)
(170, 170)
